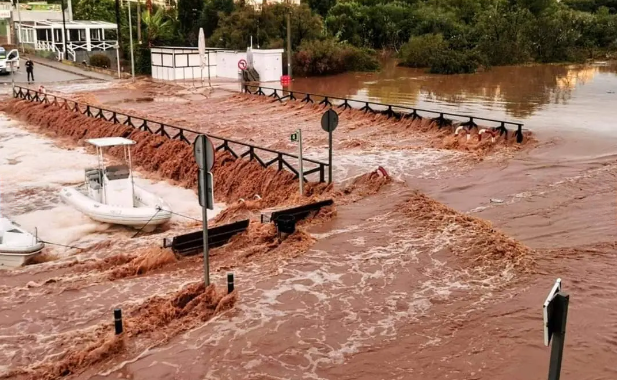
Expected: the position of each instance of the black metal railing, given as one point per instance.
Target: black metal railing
(264, 156)
(441, 119)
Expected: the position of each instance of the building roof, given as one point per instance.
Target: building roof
(110, 141)
(75, 24)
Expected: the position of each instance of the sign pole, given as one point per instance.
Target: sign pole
(203, 150)
(558, 326)
(13, 77)
(330, 157)
(329, 122)
(301, 162)
(204, 175)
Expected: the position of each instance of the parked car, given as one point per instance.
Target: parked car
(6, 58)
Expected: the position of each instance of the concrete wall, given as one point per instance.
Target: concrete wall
(184, 63)
(269, 64)
(227, 63)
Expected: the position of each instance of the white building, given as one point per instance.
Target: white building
(82, 37)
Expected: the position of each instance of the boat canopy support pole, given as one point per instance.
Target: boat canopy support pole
(127, 152)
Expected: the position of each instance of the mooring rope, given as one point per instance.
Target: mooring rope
(158, 209)
(185, 216)
(60, 245)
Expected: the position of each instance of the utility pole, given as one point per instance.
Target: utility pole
(131, 43)
(139, 22)
(118, 25)
(19, 44)
(289, 40)
(66, 35)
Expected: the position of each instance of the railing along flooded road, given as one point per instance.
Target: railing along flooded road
(541, 96)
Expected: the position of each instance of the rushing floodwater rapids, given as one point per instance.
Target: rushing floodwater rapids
(393, 286)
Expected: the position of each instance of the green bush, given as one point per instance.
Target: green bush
(143, 60)
(327, 57)
(100, 60)
(455, 62)
(419, 50)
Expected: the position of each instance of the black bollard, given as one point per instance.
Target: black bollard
(230, 282)
(118, 321)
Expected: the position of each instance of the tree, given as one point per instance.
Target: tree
(321, 7)
(100, 10)
(189, 12)
(209, 18)
(160, 27)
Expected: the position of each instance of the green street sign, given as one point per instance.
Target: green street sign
(294, 137)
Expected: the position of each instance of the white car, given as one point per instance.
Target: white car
(6, 58)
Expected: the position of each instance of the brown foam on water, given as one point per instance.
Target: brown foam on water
(440, 138)
(154, 321)
(171, 159)
(148, 259)
(358, 188)
(477, 241)
(43, 257)
(260, 243)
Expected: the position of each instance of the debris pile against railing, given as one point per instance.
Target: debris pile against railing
(264, 156)
(441, 119)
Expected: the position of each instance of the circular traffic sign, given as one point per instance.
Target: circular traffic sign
(329, 120)
(203, 150)
(242, 64)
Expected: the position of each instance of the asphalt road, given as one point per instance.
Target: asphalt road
(42, 75)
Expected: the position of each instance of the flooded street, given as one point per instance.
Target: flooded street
(543, 97)
(437, 271)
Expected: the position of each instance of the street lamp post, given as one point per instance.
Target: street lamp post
(19, 29)
(131, 42)
(66, 36)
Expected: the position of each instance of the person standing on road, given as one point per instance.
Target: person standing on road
(30, 69)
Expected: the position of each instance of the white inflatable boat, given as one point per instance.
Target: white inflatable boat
(110, 196)
(16, 244)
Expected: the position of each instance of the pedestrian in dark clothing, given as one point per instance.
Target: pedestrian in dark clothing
(30, 70)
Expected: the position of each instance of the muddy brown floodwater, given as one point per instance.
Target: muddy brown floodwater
(437, 273)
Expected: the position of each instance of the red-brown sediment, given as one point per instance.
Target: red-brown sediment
(158, 319)
(172, 159)
(442, 138)
(478, 242)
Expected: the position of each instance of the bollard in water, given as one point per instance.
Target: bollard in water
(118, 321)
(230, 282)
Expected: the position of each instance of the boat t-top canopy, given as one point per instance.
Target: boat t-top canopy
(110, 141)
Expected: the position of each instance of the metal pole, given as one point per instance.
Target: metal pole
(209, 82)
(66, 35)
(118, 28)
(301, 162)
(131, 43)
(139, 22)
(204, 175)
(560, 310)
(289, 43)
(118, 61)
(13, 78)
(330, 157)
(19, 44)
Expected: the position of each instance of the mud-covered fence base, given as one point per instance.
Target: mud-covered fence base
(398, 112)
(264, 156)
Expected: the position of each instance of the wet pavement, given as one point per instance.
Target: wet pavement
(42, 75)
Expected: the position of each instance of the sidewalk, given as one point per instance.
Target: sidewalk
(70, 69)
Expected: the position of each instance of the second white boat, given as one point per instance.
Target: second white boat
(110, 195)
